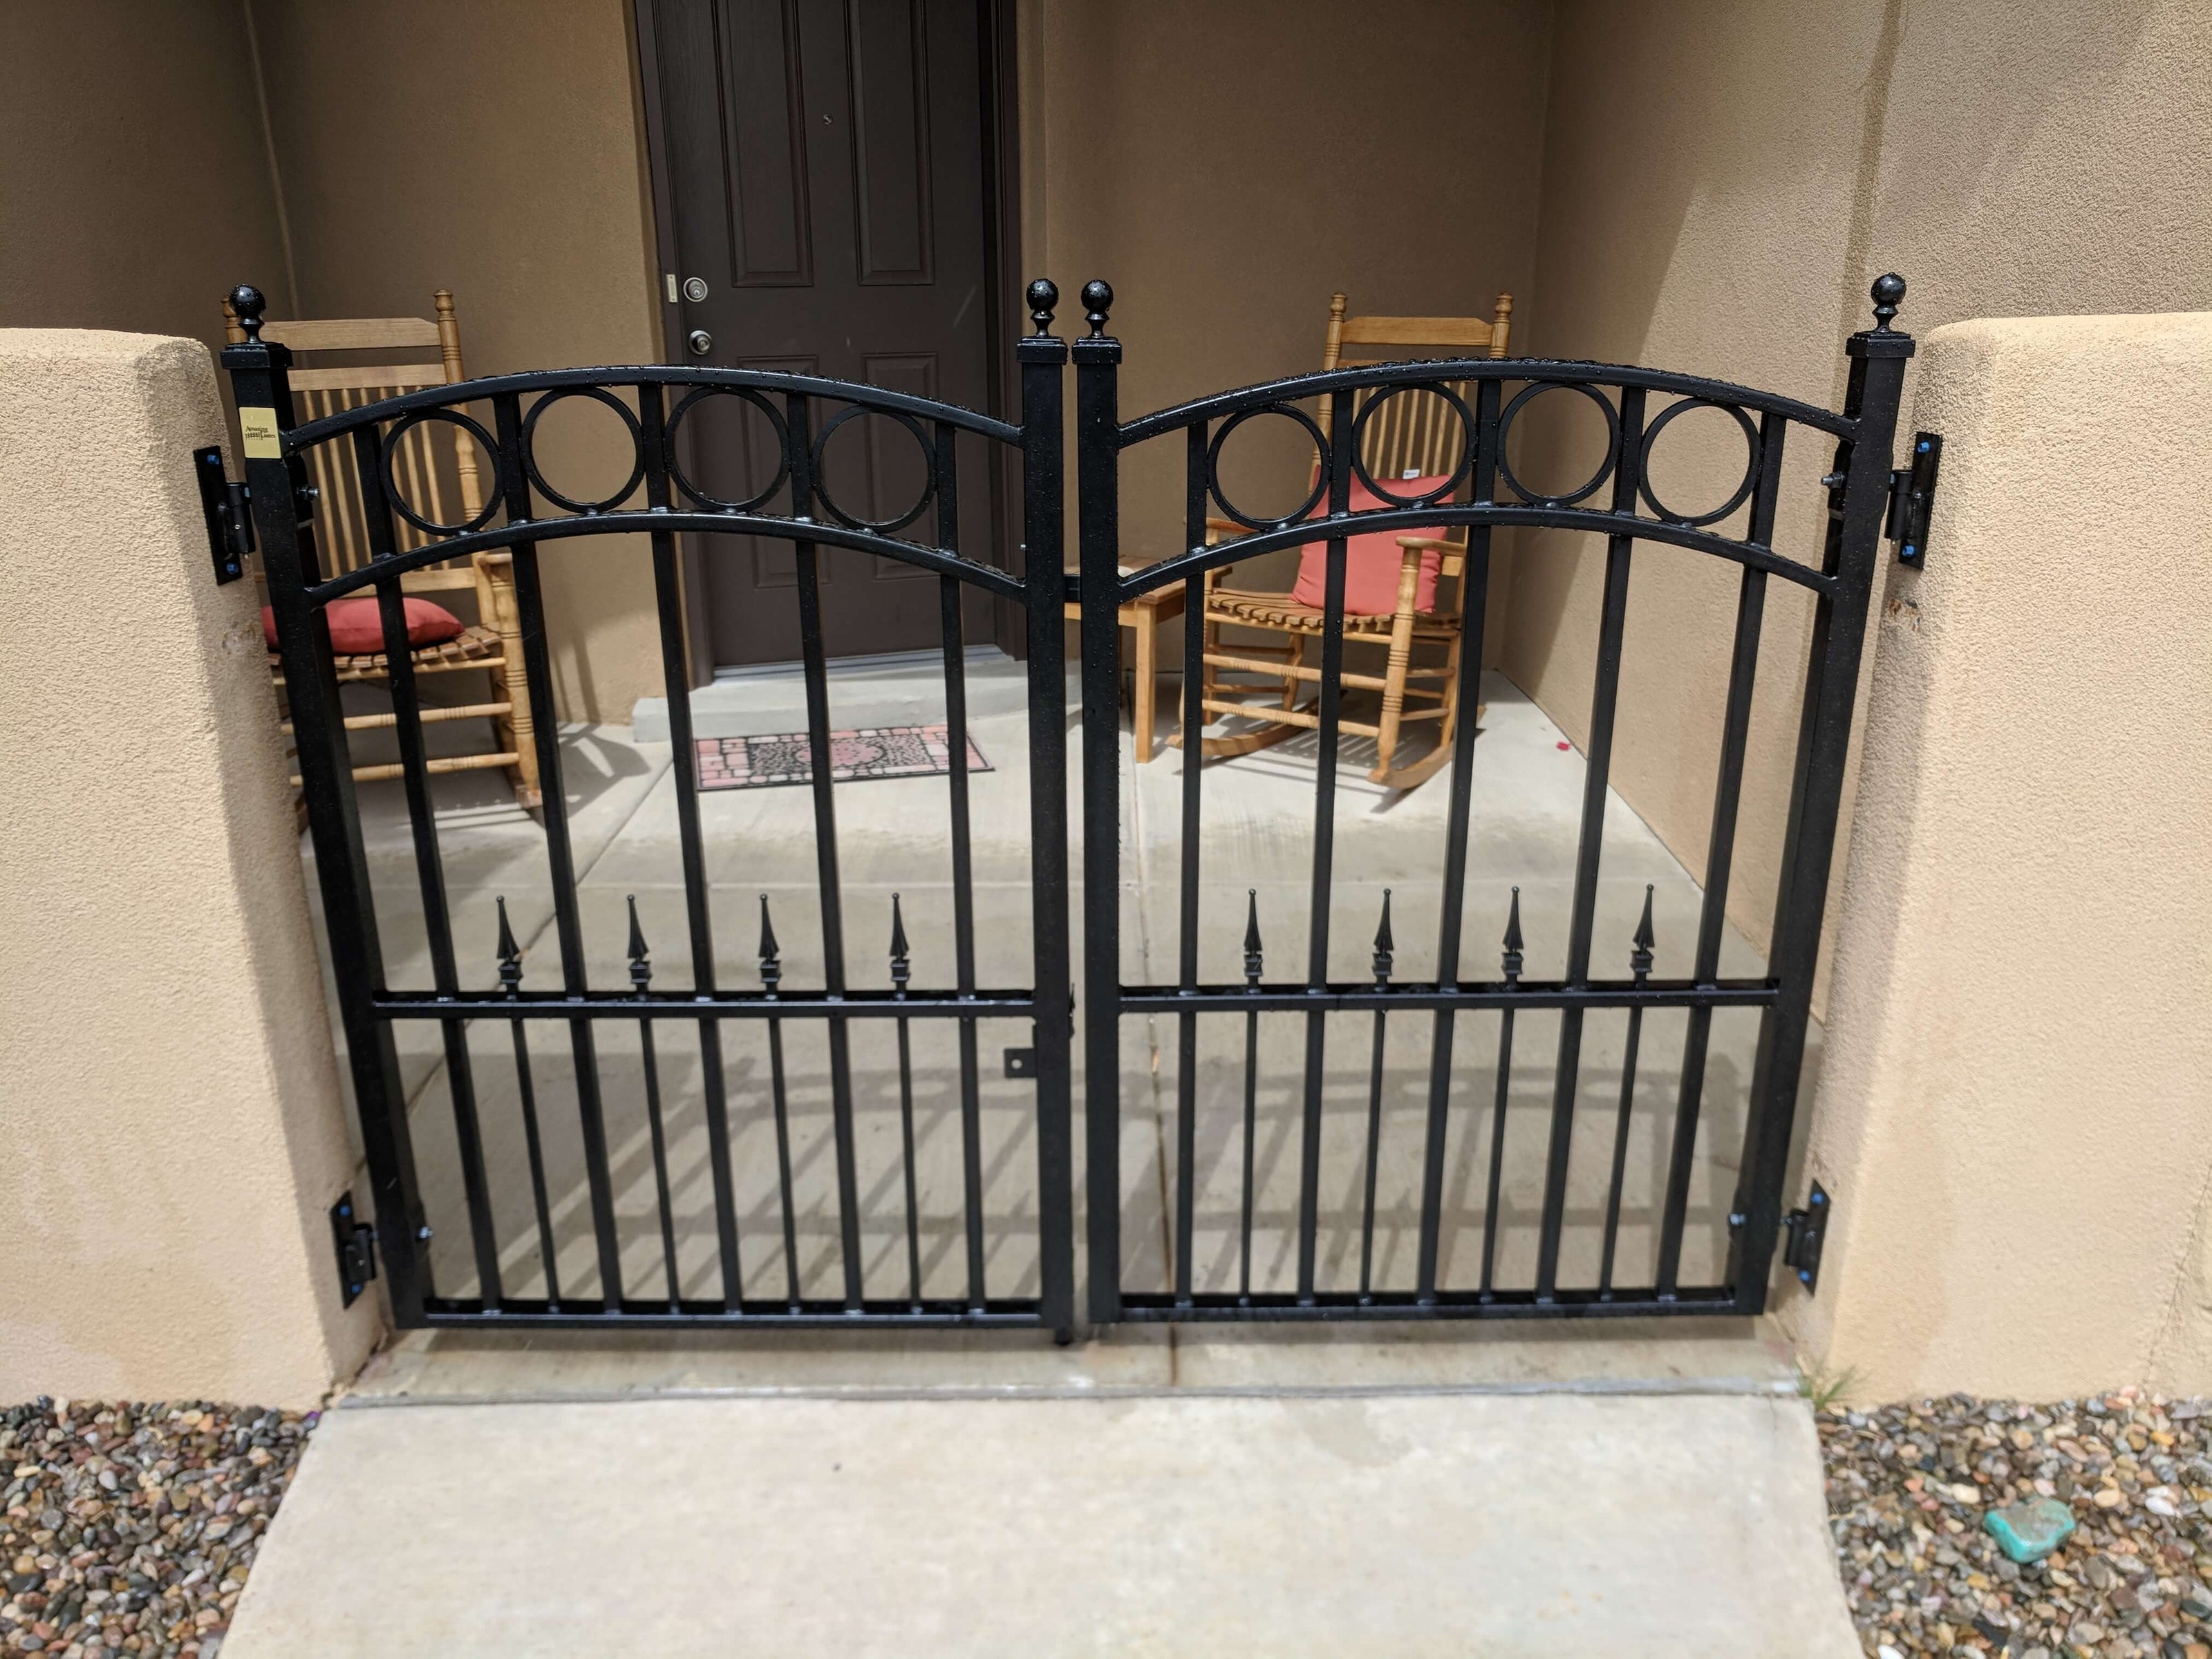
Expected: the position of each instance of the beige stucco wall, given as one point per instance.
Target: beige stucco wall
(169, 1113)
(2016, 1107)
(2007, 158)
(135, 181)
(492, 149)
(1227, 166)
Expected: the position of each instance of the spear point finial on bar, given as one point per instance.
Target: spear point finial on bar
(901, 971)
(1639, 959)
(1511, 958)
(641, 970)
(1385, 946)
(510, 953)
(1888, 292)
(1252, 960)
(249, 303)
(1098, 301)
(771, 971)
(1043, 295)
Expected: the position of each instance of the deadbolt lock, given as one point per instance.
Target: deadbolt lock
(695, 288)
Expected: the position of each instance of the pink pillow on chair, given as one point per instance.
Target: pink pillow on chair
(357, 626)
(1371, 560)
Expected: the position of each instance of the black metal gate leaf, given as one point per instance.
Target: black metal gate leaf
(754, 1172)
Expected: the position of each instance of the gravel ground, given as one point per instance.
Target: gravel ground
(128, 1528)
(1908, 1487)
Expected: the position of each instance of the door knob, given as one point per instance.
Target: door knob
(701, 342)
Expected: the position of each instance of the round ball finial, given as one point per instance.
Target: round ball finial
(1043, 296)
(1097, 300)
(1888, 292)
(248, 302)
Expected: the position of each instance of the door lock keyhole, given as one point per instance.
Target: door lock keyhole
(701, 342)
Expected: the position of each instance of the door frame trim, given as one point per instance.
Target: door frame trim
(999, 75)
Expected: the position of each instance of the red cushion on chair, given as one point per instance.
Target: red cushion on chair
(1371, 560)
(357, 627)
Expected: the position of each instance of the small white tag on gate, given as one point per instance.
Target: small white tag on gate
(259, 428)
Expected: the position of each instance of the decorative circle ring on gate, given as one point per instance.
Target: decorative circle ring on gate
(398, 502)
(596, 394)
(1605, 467)
(881, 526)
(1743, 490)
(1288, 411)
(1458, 470)
(743, 395)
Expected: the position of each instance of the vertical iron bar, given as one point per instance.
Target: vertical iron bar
(285, 533)
(1639, 964)
(1098, 465)
(814, 664)
(1849, 557)
(1720, 852)
(1510, 964)
(422, 826)
(1193, 765)
(538, 674)
(1474, 595)
(900, 971)
(1044, 590)
(952, 628)
(676, 680)
(1598, 764)
(640, 976)
(771, 974)
(1252, 970)
(1324, 839)
(1383, 948)
(510, 979)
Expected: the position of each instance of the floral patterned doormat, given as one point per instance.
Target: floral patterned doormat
(783, 758)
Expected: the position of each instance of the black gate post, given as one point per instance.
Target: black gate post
(1098, 535)
(283, 522)
(1043, 360)
(1857, 502)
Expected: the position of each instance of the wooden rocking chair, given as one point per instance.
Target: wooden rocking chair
(1415, 437)
(427, 470)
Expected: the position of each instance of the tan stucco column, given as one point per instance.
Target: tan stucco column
(170, 1136)
(2015, 1114)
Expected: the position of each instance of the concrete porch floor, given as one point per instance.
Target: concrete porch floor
(1256, 835)
(1637, 1487)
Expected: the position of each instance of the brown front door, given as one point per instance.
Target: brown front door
(823, 170)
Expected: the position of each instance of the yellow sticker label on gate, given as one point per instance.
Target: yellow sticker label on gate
(258, 428)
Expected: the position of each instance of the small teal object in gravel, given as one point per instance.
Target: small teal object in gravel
(2029, 1531)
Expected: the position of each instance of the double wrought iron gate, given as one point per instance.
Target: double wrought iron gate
(745, 1265)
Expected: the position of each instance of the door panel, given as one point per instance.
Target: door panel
(827, 171)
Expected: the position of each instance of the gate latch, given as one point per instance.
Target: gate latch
(1808, 1230)
(1912, 498)
(229, 525)
(357, 1249)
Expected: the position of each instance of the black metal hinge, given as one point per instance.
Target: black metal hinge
(1912, 498)
(1808, 1231)
(229, 525)
(357, 1247)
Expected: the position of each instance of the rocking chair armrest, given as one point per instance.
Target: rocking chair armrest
(1217, 528)
(1454, 559)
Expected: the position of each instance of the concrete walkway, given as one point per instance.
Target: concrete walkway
(1398, 1522)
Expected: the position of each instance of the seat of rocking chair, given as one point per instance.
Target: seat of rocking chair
(474, 646)
(1281, 610)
